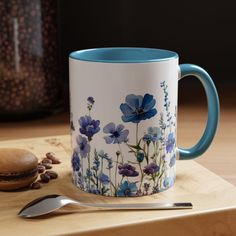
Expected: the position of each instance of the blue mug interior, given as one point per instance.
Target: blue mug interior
(123, 55)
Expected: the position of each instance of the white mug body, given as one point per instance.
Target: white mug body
(123, 125)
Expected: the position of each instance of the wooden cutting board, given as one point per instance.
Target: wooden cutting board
(214, 201)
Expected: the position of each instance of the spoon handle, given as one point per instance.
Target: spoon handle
(143, 206)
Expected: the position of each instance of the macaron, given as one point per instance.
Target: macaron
(18, 168)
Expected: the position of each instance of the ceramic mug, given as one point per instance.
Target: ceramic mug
(123, 105)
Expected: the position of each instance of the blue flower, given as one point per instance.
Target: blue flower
(96, 163)
(151, 168)
(103, 178)
(170, 143)
(75, 161)
(88, 126)
(140, 156)
(127, 189)
(138, 108)
(153, 135)
(172, 161)
(168, 182)
(127, 170)
(116, 134)
(83, 146)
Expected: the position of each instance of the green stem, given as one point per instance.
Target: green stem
(137, 133)
(141, 171)
(122, 157)
(110, 181)
(117, 157)
(101, 172)
(97, 178)
(148, 153)
(89, 167)
(82, 169)
(89, 170)
(121, 179)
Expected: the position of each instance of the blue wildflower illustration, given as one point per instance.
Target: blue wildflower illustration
(153, 135)
(83, 146)
(127, 189)
(150, 156)
(170, 143)
(138, 108)
(117, 134)
(103, 178)
(89, 127)
(75, 161)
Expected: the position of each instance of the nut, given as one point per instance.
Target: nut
(52, 174)
(46, 161)
(41, 168)
(47, 165)
(35, 185)
(45, 178)
(52, 157)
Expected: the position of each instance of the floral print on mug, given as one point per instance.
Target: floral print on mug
(150, 170)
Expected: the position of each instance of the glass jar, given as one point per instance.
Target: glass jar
(29, 58)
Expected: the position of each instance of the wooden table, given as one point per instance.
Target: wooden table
(215, 200)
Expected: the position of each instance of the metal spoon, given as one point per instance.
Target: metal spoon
(49, 203)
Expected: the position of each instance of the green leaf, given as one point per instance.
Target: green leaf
(137, 147)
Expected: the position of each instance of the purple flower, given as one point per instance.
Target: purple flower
(75, 161)
(116, 134)
(88, 126)
(104, 179)
(151, 168)
(127, 189)
(170, 143)
(90, 100)
(83, 146)
(138, 108)
(127, 170)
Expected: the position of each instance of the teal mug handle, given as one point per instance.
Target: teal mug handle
(213, 111)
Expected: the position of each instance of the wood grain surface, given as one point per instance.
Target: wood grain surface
(214, 201)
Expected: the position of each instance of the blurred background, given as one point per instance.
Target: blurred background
(201, 32)
(37, 36)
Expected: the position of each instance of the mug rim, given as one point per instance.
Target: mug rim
(123, 55)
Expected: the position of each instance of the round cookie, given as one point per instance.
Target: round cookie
(18, 168)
